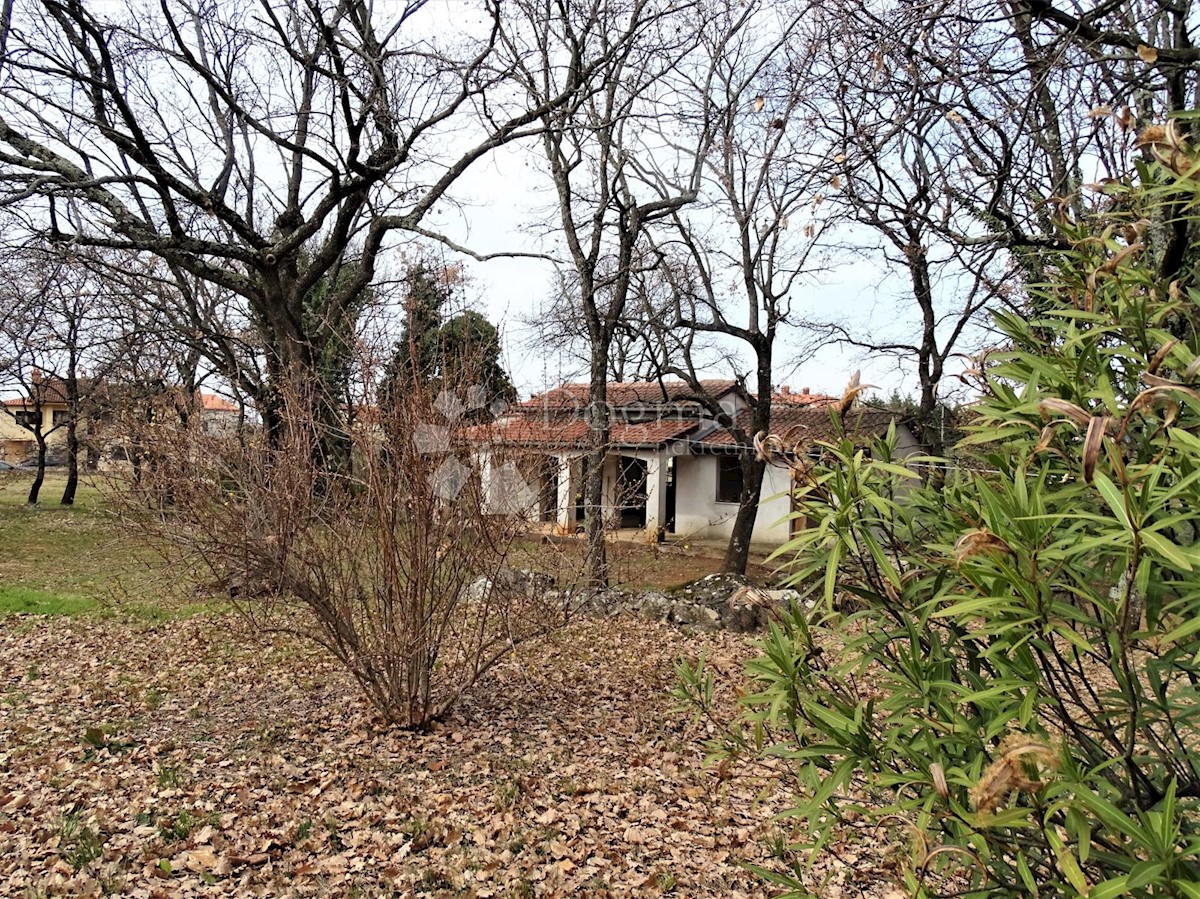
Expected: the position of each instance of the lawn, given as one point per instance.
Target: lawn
(60, 560)
(148, 752)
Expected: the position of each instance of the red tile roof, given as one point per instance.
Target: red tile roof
(210, 402)
(48, 392)
(574, 433)
(21, 402)
(786, 397)
(805, 424)
(626, 393)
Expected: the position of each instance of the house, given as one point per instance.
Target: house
(219, 417)
(47, 404)
(671, 466)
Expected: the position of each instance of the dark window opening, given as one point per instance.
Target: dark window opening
(729, 479)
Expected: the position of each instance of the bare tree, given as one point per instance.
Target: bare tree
(960, 128)
(556, 327)
(21, 359)
(612, 180)
(60, 346)
(261, 148)
(731, 263)
(1143, 58)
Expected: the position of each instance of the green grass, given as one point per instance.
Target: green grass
(76, 560)
(21, 600)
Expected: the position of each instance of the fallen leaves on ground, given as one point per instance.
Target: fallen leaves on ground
(191, 759)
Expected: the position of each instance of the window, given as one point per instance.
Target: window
(26, 418)
(729, 479)
(59, 417)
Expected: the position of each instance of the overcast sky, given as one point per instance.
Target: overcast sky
(505, 199)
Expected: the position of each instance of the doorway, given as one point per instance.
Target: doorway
(631, 492)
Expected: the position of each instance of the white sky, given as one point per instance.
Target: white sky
(505, 193)
(508, 204)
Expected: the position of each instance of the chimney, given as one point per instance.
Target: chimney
(804, 392)
(784, 390)
(36, 376)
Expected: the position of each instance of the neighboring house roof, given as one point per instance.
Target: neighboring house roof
(806, 424)
(554, 420)
(47, 391)
(785, 397)
(210, 402)
(21, 402)
(53, 393)
(623, 394)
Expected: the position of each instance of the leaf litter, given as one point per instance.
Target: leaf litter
(193, 759)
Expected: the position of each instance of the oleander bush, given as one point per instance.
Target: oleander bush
(1004, 661)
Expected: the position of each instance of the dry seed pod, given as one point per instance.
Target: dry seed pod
(939, 780)
(1053, 407)
(1113, 262)
(853, 389)
(1167, 145)
(1151, 135)
(1156, 382)
(1161, 356)
(1093, 442)
(1047, 435)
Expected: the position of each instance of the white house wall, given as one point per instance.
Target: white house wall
(697, 514)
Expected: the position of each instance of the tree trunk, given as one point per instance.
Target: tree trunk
(72, 386)
(596, 561)
(296, 394)
(929, 429)
(36, 487)
(68, 497)
(737, 553)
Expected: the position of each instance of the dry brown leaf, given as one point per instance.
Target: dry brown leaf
(979, 542)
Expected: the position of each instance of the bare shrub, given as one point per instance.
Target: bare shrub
(388, 566)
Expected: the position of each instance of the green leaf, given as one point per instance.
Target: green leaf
(1189, 888)
(1168, 550)
(1144, 873)
(1067, 863)
(1108, 889)
(1181, 633)
(1113, 496)
(1026, 875)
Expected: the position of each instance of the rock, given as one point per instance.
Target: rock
(655, 605)
(514, 582)
(478, 589)
(743, 619)
(717, 601)
(609, 601)
(694, 615)
(712, 590)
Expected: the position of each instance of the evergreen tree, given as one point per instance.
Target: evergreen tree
(437, 352)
